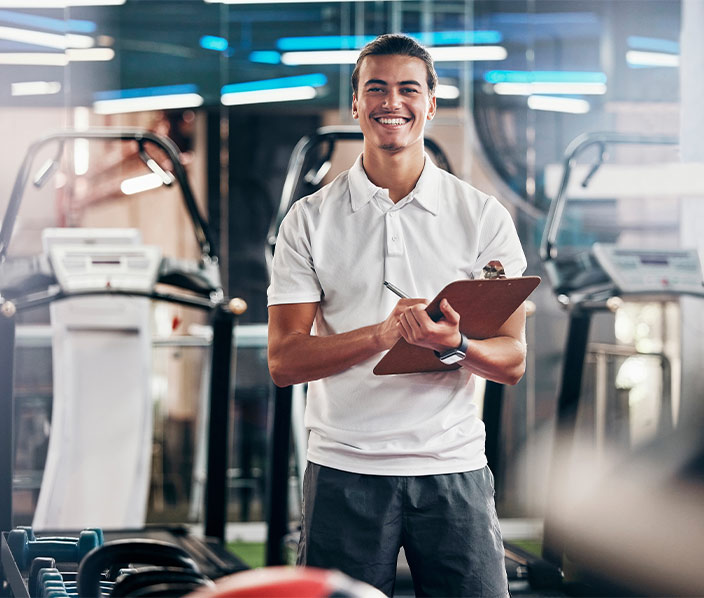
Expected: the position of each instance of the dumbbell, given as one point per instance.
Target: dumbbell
(51, 582)
(24, 549)
(33, 537)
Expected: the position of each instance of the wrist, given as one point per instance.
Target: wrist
(454, 354)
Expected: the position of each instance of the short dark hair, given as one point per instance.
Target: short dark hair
(396, 43)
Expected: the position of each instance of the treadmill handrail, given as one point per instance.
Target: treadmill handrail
(548, 247)
(201, 229)
(300, 153)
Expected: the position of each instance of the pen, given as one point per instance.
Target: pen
(396, 290)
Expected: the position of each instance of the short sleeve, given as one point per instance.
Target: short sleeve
(498, 240)
(293, 276)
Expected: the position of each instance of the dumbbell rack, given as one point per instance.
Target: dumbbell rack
(211, 559)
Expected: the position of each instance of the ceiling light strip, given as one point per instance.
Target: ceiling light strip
(48, 40)
(439, 54)
(310, 80)
(638, 58)
(144, 182)
(57, 3)
(558, 104)
(35, 88)
(351, 42)
(144, 104)
(527, 89)
(47, 23)
(262, 96)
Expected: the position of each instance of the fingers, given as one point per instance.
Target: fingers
(449, 313)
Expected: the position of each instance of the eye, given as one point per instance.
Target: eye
(410, 90)
(374, 89)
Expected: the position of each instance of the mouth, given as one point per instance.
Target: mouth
(391, 121)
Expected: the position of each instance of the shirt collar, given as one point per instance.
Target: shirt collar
(425, 192)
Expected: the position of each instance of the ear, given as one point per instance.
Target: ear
(355, 112)
(433, 107)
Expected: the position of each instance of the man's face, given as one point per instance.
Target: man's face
(392, 101)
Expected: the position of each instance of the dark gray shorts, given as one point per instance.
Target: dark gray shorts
(447, 525)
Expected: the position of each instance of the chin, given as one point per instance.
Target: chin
(391, 147)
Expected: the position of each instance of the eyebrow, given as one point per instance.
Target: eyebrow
(382, 82)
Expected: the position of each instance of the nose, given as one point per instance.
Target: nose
(392, 100)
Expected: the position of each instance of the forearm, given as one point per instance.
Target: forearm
(501, 359)
(299, 357)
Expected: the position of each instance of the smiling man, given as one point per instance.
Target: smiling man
(393, 460)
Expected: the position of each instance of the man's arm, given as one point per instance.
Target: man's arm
(296, 356)
(501, 358)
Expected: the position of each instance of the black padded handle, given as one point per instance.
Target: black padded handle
(151, 552)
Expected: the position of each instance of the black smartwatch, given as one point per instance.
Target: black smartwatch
(454, 355)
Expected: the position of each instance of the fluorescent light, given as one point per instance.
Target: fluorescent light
(506, 76)
(213, 42)
(447, 92)
(639, 58)
(350, 42)
(49, 40)
(468, 53)
(90, 54)
(265, 56)
(144, 182)
(81, 147)
(260, 96)
(276, 1)
(310, 80)
(34, 58)
(35, 88)
(448, 54)
(47, 23)
(144, 104)
(653, 44)
(557, 104)
(57, 3)
(527, 89)
(320, 57)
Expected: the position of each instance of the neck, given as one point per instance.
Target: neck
(396, 171)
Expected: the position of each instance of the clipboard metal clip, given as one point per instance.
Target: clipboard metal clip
(494, 269)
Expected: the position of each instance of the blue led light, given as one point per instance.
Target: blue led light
(146, 92)
(500, 76)
(323, 42)
(212, 42)
(653, 44)
(352, 42)
(313, 80)
(47, 23)
(265, 57)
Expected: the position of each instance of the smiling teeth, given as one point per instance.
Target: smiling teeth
(392, 121)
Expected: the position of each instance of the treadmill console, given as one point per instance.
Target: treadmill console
(104, 267)
(652, 271)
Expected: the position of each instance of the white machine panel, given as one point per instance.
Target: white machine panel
(98, 267)
(643, 271)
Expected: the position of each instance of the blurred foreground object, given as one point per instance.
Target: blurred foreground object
(288, 582)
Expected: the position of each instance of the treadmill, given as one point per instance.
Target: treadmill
(585, 283)
(34, 281)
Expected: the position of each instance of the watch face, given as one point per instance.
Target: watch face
(453, 357)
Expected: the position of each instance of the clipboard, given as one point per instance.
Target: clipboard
(483, 304)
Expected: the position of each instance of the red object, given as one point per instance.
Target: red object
(287, 582)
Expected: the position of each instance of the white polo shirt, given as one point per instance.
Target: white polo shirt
(337, 247)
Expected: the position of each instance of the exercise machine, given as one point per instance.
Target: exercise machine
(587, 282)
(71, 270)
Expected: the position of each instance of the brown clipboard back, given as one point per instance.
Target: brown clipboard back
(483, 305)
